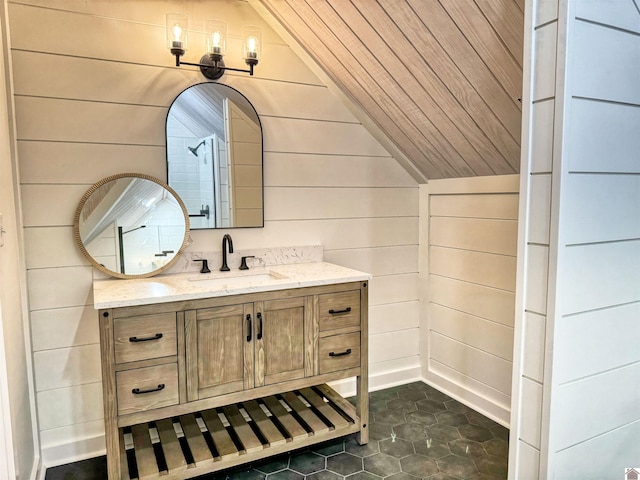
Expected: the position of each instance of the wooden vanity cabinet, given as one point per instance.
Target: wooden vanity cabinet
(197, 386)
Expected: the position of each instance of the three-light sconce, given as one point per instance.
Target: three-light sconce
(212, 63)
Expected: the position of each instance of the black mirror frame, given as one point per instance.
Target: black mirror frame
(261, 146)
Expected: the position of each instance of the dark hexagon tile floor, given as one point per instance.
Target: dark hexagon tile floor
(416, 433)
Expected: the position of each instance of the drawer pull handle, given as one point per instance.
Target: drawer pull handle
(336, 312)
(157, 336)
(137, 391)
(334, 354)
(259, 336)
(250, 328)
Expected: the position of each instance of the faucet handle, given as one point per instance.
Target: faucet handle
(243, 263)
(205, 265)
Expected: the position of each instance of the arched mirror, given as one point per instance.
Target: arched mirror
(131, 226)
(214, 157)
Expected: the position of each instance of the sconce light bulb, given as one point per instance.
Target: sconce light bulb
(177, 36)
(216, 38)
(177, 26)
(252, 45)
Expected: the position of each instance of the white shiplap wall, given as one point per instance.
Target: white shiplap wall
(533, 238)
(469, 253)
(595, 374)
(19, 449)
(578, 364)
(93, 82)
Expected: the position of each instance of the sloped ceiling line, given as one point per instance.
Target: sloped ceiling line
(440, 78)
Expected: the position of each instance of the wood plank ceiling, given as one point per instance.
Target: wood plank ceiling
(441, 78)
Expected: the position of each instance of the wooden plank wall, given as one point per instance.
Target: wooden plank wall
(93, 82)
(576, 376)
(471, 262)
(441, 79)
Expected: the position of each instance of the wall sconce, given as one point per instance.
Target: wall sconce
(212, 62)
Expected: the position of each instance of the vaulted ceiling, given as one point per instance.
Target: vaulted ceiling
(441, 79)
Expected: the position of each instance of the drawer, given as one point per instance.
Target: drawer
(145, 337)
(339, 352)
(147, 388)
(339, 310)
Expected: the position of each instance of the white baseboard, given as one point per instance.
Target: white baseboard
(74, 451)
(480, 404)
(379, 381)
(38, 470)
(486, 407)
(40, 473)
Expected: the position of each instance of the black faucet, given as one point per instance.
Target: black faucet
(226, 240)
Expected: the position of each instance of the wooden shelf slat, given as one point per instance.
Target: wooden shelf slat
(221, 439)
(249, 440)
(197, 444)
(324, 408)
(171, 446)
(293, 428)
(310, 418)
(145, 456)
(344, 405)
(264, 424)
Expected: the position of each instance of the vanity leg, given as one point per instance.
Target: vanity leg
(112, 436)
(113, 451)
(362, 408)
(362, 382)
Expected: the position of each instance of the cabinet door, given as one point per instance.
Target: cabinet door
(282, 347)
(219, 350)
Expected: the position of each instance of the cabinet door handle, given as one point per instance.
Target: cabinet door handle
(137, 391)
(336, 312)
(250, 329)
(334, 354)
(157, 336)
(259, 336)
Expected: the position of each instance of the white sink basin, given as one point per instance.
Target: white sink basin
(238, 280)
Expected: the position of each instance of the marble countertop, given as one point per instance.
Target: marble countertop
(114, 293)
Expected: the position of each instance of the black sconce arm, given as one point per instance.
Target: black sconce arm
(213, 67)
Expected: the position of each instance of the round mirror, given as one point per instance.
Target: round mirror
(131, 226)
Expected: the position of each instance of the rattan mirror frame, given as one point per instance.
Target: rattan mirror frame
(99, 266)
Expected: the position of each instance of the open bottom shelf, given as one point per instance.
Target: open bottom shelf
(219, 438)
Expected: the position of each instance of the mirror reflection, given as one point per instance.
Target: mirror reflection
(214, 157)
(131, 226)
